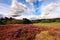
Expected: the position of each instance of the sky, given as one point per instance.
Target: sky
(31, 9)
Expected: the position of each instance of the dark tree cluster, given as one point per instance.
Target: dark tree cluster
(46, 20)
(26, 21)
(5, 20)
(11, 20)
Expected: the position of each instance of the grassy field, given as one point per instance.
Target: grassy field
(48, 24)
(51, 33)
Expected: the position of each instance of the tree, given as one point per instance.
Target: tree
(2, 20)
(26, 21)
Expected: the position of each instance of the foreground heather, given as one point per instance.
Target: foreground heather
(28, 32)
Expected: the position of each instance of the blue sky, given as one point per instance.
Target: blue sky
(8, 2)
(35, 9)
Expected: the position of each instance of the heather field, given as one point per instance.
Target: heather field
(29, 19)
(28, 32)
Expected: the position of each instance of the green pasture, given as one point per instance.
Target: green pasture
(56, 24)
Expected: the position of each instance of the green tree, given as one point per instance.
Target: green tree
(26, 21)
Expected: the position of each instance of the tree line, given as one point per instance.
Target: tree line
(11, 20)
(46, 20)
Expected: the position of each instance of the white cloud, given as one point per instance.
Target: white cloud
(4, 9)
(55, 13)
(18, 8)
(30, 1)
(47, 9)
(14, 9)
(31, 17)
(1, 15)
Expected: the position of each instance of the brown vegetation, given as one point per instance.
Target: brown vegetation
(27, 32)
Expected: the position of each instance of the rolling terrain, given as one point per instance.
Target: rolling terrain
(28, 32)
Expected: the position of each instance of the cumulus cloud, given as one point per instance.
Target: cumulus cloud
(55, 13)
(1, 15)
(30, 1)
(4, 10)
(15, 10)
(31, 17)
(18, 8)
(47, 9)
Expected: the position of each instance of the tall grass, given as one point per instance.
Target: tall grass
(48, 24)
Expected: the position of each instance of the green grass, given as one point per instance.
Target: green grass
(48, 24)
